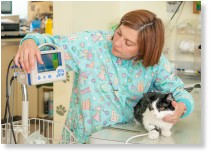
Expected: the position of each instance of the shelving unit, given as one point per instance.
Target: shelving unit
(41, 91)
(197, 61)
(187, 54)
(197, 56)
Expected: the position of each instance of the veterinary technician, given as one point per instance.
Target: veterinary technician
(112, 71)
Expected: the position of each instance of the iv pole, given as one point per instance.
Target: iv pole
(25, 107)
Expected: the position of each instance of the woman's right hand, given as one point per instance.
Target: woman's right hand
(26, 53)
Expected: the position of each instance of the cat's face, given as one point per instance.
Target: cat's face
(160, 105)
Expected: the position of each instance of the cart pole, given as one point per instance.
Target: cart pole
(25, 108)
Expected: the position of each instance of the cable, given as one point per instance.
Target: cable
(177, 18)
(177, 9)
(13, 78)
(11, 122)
(174, 14)
(7, 105)
(11, 119)
(135, 137)
(7, 91)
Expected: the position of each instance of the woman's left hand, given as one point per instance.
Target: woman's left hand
(179, 109)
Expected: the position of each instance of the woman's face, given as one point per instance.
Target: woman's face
(124, 43)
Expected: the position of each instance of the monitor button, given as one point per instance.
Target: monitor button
(39, 78)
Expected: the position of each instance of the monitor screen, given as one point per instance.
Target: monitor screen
(51, 62)
(6, 7)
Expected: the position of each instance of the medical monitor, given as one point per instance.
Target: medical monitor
(6, 7)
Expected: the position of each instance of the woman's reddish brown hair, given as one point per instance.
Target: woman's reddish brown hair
(151, 34)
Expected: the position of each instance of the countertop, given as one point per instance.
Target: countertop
(185, 131)
(12, 41)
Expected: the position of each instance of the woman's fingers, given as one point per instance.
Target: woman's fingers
(22, 62)
(38, 57)
(16, 59)
(31, 60)
(26, 53)
(26, 61)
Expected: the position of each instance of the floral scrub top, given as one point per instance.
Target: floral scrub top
(107, 88)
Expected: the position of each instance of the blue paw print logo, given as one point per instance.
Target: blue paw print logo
(60, 73)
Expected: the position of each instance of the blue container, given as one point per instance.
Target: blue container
(36, 26)
(51, 103)
(51, 107)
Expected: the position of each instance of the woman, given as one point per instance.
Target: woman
(112, 71)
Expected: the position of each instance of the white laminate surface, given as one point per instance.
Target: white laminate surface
(185, 131)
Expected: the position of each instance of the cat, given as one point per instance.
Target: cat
(151, 109)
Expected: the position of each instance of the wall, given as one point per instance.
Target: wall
(94, 15)
(20, 8)
(83, 16)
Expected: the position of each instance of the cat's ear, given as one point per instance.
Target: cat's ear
(170, 97)
(149, 95)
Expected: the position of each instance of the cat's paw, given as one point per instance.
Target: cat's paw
(134, 120)
(166, 133)
(153, 134)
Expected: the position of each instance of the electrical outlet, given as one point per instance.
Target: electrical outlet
(171, 6)
(169, 15)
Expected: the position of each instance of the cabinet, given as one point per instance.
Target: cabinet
(9, 49)
(187, 41)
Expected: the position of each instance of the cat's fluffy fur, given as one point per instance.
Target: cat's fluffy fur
(150, 111)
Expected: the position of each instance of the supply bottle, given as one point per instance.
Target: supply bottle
(48, 26)
(199, 24)
(46, 102)
(51, 103)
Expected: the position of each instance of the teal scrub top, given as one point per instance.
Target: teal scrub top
(106, 88)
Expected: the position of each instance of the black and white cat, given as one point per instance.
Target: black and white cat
(150, 111)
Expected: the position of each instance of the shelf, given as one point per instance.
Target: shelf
(3, 33)
(187, 41)
(181, 52)
(12, 40)
(198, 74)
(42, 115)
(188, 33)
(8, 42)
(47, 87)
(189, 78)
(198, 52)
(41, 100)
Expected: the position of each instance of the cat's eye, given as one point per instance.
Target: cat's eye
(152, 108)
(162, 108)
